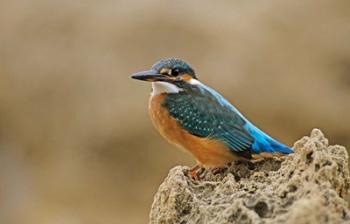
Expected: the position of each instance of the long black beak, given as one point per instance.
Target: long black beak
(150, 76)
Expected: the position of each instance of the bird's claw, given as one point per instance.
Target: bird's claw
(218, 170)
(194, 172)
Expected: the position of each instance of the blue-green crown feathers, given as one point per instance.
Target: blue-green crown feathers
(177, 66)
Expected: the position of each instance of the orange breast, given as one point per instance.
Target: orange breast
(207, 152)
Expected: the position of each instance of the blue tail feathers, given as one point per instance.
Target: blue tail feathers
(264, 143)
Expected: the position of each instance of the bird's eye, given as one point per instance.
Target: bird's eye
(175, 72)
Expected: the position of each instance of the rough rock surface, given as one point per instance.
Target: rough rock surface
(308, 186)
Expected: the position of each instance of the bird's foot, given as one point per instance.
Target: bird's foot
(218, 170)
(195, 172)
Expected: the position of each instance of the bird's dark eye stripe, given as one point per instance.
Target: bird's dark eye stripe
(165, 73)
(170, 72)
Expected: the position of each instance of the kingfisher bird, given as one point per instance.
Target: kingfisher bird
(195, 117)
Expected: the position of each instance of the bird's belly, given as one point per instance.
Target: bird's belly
(208, 152)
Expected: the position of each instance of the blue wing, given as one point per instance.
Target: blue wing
(205, 113)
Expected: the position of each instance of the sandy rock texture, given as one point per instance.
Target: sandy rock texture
(308, 186)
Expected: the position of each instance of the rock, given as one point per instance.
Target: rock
(307, 186)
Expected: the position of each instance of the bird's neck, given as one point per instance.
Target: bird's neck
(164, 87)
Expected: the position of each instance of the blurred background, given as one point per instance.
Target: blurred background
(76, 143)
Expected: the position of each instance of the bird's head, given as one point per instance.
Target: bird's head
(169, 76)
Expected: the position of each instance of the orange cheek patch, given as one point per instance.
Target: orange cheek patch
(186, 77)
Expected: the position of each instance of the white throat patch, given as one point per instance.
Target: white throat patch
(164, 87)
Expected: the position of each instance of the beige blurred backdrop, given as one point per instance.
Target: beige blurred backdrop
(76, 143)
